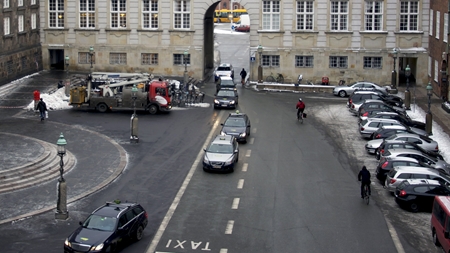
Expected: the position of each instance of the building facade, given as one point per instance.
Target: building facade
(345, 40)
(20, 49)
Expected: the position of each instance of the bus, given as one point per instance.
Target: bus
(222, 16)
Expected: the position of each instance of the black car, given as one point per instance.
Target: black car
(390, 99)
(237, 125)
(359, 96)
(386, 131)
(226, 98)
(107, 227)
(386, 164)
(378, 104)
(389, 144)
(418, 194)
(404, 119)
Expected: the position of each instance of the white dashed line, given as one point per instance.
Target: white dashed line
(240, 184)
(229, 229)
(251, 140)
(235, 204)
(248, 153)
(223, 250)
(245, 167)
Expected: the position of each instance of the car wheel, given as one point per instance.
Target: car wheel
(152, 109)
(102, 107)
(139, 233)
(342, 93)
(414, 207)
(435, 239)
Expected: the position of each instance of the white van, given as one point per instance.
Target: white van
(243, 25)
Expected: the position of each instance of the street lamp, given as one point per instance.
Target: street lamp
(407, 92)
(394, 72)
(91, 54)
(134, 119)
(429, 116)
(185, 56)
(61, 206)
(260, 71)
(67, 84)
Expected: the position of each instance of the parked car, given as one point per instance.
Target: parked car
(371, 112)
(386, 131)
(400, 173)
(346, 90)
(224, 69)
(419, 194)
(369, 126)
(421, 157)
(222, 154)
(107, 227)
(370, 104)
(237, 125)
(395, 144)
(386, 164)
(226, 99)
(225, 82)
(390, 99)
(403, 118)
(243, 25)
(440, 222)
(358, 98)
(421, 141)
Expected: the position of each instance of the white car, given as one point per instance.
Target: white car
(347, 90)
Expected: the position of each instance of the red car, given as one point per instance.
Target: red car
(242, 28)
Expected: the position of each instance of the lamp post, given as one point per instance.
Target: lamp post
(61, 206)
(67, 84)
(185, 76)
(134, 119)
(407, 92)
(429, 116)
(260, 71)
(394, 72)
(91, 54)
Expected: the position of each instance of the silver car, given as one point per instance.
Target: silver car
(421, 157)
(222, 154)
(346, 90)
(369, 126)
(421, 140)
(400, 173)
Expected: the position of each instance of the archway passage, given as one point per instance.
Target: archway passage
(208, 40)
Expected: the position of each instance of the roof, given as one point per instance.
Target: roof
(415, 169)
(225, 65)
(422, 181)
(445, 200)
(226, 78)
(396, 127)
(112, 209)
(223, 139)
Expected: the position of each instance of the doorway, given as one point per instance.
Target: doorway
(56, 58)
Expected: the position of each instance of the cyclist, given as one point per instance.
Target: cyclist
(300, 107)
(364, 177)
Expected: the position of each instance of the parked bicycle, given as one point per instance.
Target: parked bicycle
(275, 79)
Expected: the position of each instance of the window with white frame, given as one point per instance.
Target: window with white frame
(431, 22)
(33, 20)
(305, 15)
(6, 26)
(150, 14)
(271, 60)
(429, 65)
(373, 62)
(182, 14)
(374, 15)
(20, 3)
(87, 13)
(117, 58)
(339, 15)
(444, 37)
(20, 23)
(118, 14)
(436, 70)
(303, 61)
(5, 4)
(56, 13)
(438, 24)
(179, 59)
(271, 15)
(85, 58)
(340, 62)
(33, 2)
(149, 59)
(409, 15)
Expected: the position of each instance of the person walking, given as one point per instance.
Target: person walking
(243, 76)
(42, 107)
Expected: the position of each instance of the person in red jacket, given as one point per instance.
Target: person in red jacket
(300, 107)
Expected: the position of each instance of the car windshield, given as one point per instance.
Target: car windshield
(98, 222)
(220, 148)
(223, 69)
(225, 93)
(236, 122)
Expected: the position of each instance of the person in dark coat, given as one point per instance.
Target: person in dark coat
(364, 177)
(42, 107)
(243, 76)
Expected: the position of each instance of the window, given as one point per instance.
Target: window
(6, 26)
(20, 3)
(150, 14)
(431, 22)
(374, 16)
(271, 60)
(436, 70)
(5, 4)
(118, 13)
(271, 15)
(339, 14)
(372, 62)
(444, 38)
(305, 15)
(117, 58)
(438, 24)
(20, 23)
(409, 14)
(149, 59)
(33, 20)
(304, 61)
(33, 2)
(85, 58)
(10, 67)
(178, 59)
(87, 13)
(56, 13)
(338, 62)
(182, 15)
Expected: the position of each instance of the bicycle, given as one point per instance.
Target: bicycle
(272, 78)
(366, 194)
(300, 117)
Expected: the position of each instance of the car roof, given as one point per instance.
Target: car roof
(396, 127)
(414, 135)
(226, 78)
(364, 92)
(423, 181)
(223, 139)
(225, 65)
(382, 119)
(388, 113)
(374, 101)
(113, 209)
(405, 150)
(412, 169)
(402, 158)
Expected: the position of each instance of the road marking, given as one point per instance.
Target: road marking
(177, 199)
(223, 251)
(394, 236)
(244, 167)
(235, 204)
(254, 130)
(248, 153)
(240, 184)
(252, 140)
(229, 229)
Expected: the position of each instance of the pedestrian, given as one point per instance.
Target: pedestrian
(243, 76)
(36, 96)
(42, 107)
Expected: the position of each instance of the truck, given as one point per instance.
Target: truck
(114, 91)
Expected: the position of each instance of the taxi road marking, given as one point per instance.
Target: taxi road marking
(229, 228)
(223, 250)
(245, 167)
(235, 204)
(248, 153)
(240, 184)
